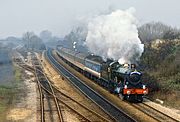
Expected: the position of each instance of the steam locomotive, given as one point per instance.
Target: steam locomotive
(122, 80)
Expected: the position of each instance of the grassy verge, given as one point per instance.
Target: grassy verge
(166, 89)
(9, 93)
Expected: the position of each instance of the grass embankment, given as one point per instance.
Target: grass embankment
(162, 69)
(9, 93)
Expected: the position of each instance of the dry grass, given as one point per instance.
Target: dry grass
(9, 94)
(171, 99)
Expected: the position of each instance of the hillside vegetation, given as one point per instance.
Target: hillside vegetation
(161, 59)
(160, 62)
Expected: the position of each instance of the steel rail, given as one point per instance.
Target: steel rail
(55, 99)
(41, 99)
(153, 113)
(175, 120)
(65, 104)
(40, 87)
(80, 104)
(58, 91)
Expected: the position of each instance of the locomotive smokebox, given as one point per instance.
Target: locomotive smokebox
(134, 77)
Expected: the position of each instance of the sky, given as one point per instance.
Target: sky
(60, 16)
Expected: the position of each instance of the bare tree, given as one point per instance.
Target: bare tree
(153, 30)
(32, 41)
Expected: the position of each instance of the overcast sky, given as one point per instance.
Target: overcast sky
(59, 16)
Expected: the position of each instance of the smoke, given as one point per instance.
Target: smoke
(115, 35)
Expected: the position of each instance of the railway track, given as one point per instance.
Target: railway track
(44, 87)
(154, 113)
(93, 116)
(64, 99)
(61, 97)
(78, 106)
(111, 109)
(45, 99)
(41, 102)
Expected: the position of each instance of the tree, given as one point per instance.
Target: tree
(32, 41)
(172, 34)
(77, 35)
(152, 31)
(27, 38)
(46, 35)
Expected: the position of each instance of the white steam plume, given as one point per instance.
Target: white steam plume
(115, 36)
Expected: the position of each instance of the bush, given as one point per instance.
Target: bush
(151, 82)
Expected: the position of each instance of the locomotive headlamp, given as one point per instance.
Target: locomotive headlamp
(144, 92)
(125, 86)
(128, 92)
(144, 87)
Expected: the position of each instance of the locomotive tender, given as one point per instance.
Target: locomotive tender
(123, 80)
